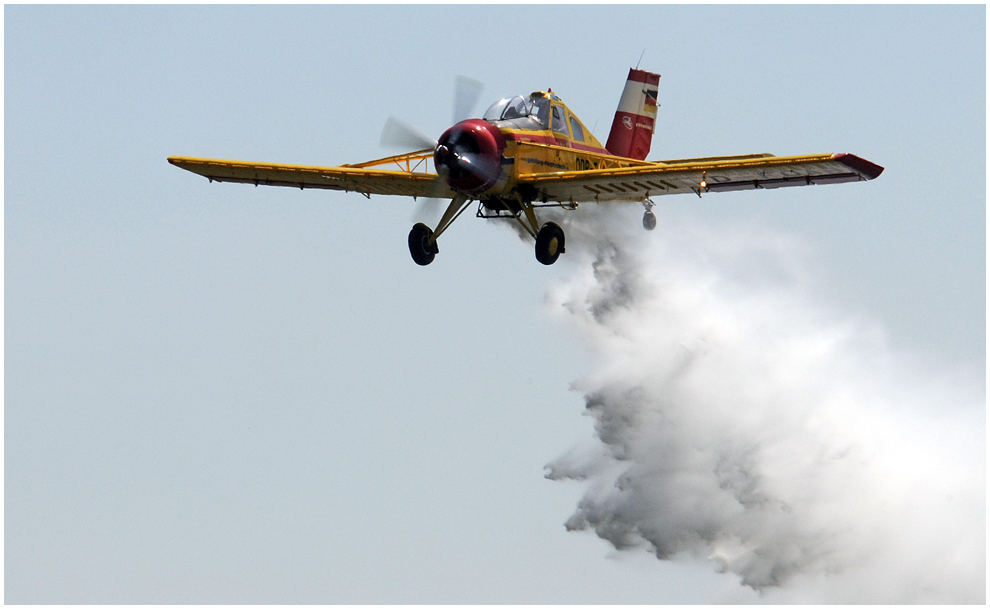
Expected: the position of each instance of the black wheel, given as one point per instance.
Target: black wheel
(419, 244)
(549, 243)
(649, 220)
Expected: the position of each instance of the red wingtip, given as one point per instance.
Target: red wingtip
(861, 166)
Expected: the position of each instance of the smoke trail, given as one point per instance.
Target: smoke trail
(739, 420)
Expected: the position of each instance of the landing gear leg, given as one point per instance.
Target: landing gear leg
(549, 243)
(423, 240)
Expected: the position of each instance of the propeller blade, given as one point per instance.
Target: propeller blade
(467, 91)
(396, 134)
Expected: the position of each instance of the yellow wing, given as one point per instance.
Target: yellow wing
(408, 178)
(714, 174)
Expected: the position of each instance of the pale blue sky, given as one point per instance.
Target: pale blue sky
(219, 393)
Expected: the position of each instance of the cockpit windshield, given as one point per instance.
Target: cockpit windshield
(525, 112)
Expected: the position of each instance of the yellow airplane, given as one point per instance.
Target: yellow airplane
(531, 151)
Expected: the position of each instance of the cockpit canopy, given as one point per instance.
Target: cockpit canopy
(530, 112)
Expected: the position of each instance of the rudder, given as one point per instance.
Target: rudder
(635, 118)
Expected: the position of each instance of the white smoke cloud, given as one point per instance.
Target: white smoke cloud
(740, 420)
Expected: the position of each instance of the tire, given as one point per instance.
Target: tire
(549, 243)
(649, 220)
(420, 248)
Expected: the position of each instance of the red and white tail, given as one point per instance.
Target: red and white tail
(632, 128)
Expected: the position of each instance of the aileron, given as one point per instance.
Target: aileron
(717, 174)
(352, 179)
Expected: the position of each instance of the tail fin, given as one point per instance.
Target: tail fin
(632, 128)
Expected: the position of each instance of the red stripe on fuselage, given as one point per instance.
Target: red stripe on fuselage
(552, 141)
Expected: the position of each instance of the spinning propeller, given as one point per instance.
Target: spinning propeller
(456, 153)
(397, 134)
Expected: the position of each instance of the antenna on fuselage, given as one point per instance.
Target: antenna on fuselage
(640, 58)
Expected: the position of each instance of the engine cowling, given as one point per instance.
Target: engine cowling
(469, 155)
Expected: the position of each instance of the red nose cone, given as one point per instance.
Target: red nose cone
(470, 155)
